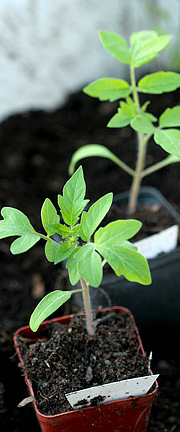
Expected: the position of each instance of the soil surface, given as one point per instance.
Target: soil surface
(113, 354)
(36, 149)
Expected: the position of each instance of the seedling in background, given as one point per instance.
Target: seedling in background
(144, 47)
(85, 249)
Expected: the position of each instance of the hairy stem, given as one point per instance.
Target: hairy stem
(87, 307)
(136, 183)
(167, 161)
(122, 165)
(142, 144)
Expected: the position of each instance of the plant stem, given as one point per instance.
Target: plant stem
(167, 161)
(134, 90)
(142, 144)
(136, 183)
(87, 307)
(122, 165)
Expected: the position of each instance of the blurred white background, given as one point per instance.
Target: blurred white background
(49, 49)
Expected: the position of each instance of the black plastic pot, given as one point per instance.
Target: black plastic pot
(156, 305)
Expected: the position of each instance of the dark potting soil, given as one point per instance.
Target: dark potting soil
(36, 148)
(69, 360)
(154, 218)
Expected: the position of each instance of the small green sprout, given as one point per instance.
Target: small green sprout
(85, 247)
(144, 46)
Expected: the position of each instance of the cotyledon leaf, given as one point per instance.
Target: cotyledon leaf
(49, 304)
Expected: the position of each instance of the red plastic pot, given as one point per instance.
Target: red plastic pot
(124, 415)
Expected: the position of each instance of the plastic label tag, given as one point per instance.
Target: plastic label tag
(111, 392)
(165, 241)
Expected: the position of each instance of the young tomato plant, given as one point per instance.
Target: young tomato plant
(85, 248)
(144, 47)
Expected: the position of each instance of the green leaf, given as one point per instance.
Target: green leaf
(49, 304)
(63, 252)
(48, 215)
(108, 89)
(116, 232)
(85, 263)
(171, 159)
(91, 150)
(170, 117)
(90, 265)
(119, 120)
(72, 202)
(75, 230)
(73, 267)
(142, 124)
(125, 114)
(128, 109)
(60, 229)
(137, 39)
(146, 45)
(144, 106)
(90, 220)
(131, 103)
(111, 243)
(159, 82)
(150, 117)
(51, 249)
(127, 244)
(15, 223)
(169, 140)
(115, 45)
(58, 252)
(127, 262)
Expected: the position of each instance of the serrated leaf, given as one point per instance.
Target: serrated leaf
(15, 223)
(146, 45)
(90, 220)
(116, 232)
(75, 187)
(129, 110)
(49, 304)
(115, 45)
(170, 117)
(75, 230)
(71, 214)
(110, 89)
(127, 262)
(159, 82)
(63, 252)
(119, 120)
(58, 228)
(48, 215)
(169, 140)
(72, 202)
(90, 150)
(131, 103)
(142, 124)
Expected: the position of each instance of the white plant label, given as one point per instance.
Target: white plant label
(111, 392)
(165, 241)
